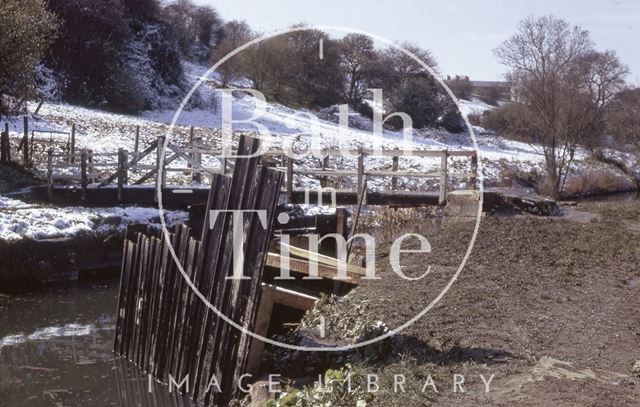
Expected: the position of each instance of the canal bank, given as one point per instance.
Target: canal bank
(542, 301)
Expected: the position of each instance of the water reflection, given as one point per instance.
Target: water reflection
(55, 350)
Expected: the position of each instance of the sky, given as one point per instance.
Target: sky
(460, 34)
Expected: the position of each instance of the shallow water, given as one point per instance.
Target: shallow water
(55, 350)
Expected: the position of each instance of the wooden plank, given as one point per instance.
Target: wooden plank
(209, 278)
(127, 255)
(474, 172)
(137, 141)
(72, 143)
(25, 140)
(394, 168)
(408, 174)
(137, 158)
(443, 178)
(160, 163)
(362, 198)
(183, 250)
(139, 298)
(289, 178)
(380, 153)
(303, 267)
(129, 321)
(245, 293)
(260, 327)
(361, 176)
(293, 299)
(158, 305)
(178, 366)
(354, 273)
(321, 172)
(321, 259)
(121, 172)
(50, 174)
(83, 173)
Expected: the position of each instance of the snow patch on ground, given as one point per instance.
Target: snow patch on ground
(474, 106)
(19, 220)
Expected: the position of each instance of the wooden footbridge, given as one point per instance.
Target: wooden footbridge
(183, 171)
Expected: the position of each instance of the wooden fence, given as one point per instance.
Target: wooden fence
(162, 326)
(443, 173)
(131, 168)
(153, 164)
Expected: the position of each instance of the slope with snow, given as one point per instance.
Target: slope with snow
(106, 132)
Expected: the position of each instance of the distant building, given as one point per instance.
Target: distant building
(492, 90)
(489, 91)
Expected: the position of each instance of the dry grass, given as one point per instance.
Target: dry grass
(595, 182)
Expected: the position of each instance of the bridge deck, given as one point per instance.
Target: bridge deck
(391, 198)
(181, 197)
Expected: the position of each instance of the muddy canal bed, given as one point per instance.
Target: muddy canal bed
(547, 305)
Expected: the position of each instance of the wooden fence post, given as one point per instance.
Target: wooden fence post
(361, 183)
(50, 175)
(6, 130)
(394, 179)
(83, 173)
(342, 229)
(72, 144)
(190, 154)
(290, 179)
(122, 162)
(197, 157)
(442, 199)
(25, 139)
(136, 144)
(125, 168)
(160, 173)
(474, 171)
(324, 181)
(90, 168)
(5, 148)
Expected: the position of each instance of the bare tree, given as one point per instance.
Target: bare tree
(235, 34)
(26, 30)
(396, 72)
(356, 55)
(603, 75)
(543, 56)
(208, 25)
(623, 118)
(460, 86)
(178, 13)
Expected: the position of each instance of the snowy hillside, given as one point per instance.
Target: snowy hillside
(106, 132)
